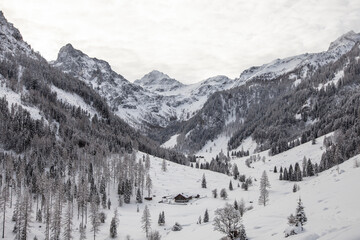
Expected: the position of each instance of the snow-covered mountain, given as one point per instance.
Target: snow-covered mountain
(11, 41)
(302, 63)
(157, 100)
(156, 81)
(251, 108)
(152, 101)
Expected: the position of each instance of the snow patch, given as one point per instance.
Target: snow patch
(15, 98)
(171, 143)
(73, 99)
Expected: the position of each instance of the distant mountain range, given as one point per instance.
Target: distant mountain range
(161, 107)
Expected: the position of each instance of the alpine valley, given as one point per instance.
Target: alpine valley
(87, 154)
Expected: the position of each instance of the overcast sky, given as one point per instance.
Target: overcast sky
(190, 40)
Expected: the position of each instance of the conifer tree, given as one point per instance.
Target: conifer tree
(203, 181)
(3, 205)
(113, 225)
(236, 206)
(310, 169)
(214, 193)
(82, 231)
(298, 220)
(23, 218)
(206, 216)
(94, 218)
(242, 207)
(56, 216)
(147, 163)
(235, 172)
(231, 186)
(223, 194)
(163, 217)
(138, 196)
(109, 203)
(103, 200)
(160, 219)
(163, 166)
(39, 216)
(127, 192)
(264, 193)
(295, 188)
(300, 216)
(148, 185)
(146, 221)
(68, 223)
(286, 175)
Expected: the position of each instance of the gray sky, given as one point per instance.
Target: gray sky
(189, 40)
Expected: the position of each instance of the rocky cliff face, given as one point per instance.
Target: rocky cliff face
(155, 100)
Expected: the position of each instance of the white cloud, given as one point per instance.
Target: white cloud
(188, 40)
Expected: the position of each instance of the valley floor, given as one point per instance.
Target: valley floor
(331, 201)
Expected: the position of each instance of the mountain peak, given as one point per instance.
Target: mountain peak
(8, 28)
(345, 40)
(156, 75)
(158, 81)
(68, 51)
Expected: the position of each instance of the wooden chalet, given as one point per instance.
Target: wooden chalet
(182, 198)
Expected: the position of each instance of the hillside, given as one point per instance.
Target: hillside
(75, 162)
(329, 201)
(153, 102)
(277, 111)
(40, 104)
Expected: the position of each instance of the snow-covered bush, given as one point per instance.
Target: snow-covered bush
(176, 227)
(292, 230)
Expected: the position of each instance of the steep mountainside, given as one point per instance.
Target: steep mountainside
(46, 112)
(273, 109)
(304, 64)
(161, 106)
(154, 101)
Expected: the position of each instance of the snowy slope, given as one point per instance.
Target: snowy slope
(154, 100)
(73, 100)
(157, 100)
(302, 62)
(12, 44)
(330, 202)
(14, 98)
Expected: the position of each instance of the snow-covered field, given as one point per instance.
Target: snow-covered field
(330, 201)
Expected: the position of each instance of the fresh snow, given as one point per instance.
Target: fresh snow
(330, 201)
(15, 98)
(335, 80)
(171, 142)
(73, 99)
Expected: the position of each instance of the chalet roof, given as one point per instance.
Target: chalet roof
(182, 194)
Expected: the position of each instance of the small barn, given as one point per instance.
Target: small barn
(182, 198)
